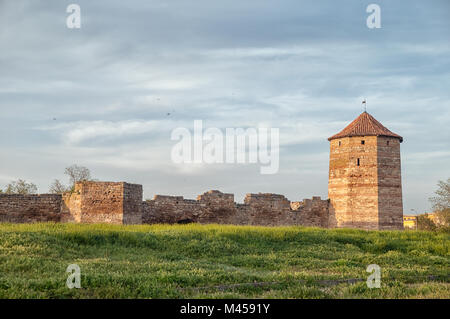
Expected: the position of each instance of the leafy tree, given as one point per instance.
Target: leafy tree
(21, 187)
(58, 188)
(77, 174)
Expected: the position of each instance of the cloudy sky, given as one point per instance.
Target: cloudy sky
(108, 95)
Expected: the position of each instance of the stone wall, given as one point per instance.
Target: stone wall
(121, 203)
(220, 208)
(313, 212)
(269, 210)
(103, 202)
(30, 208)
(353, 181)
(390, 203)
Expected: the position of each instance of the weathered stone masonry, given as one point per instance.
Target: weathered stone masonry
(121, 203)
(103, 202)
(217, 207)
(30, 208)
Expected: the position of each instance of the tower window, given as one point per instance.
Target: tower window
(357, 162)
(387, 143)
(339, 143)
(363, 142)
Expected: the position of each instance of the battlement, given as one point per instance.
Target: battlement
(216, 207)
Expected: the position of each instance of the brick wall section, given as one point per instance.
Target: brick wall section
(269, 210)
(313, 212)
(352, 188)
(71, 207)
(132, 203)
(103, 202)
(390, 203)
(367, 195)
(170, 210)
(30, 208)
(217, 207)
(121, 203)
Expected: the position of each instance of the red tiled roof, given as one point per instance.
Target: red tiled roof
(365, 125)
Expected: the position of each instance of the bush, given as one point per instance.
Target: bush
(425, 223)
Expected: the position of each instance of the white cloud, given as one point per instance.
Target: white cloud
(77, 132)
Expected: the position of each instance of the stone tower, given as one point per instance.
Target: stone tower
(365, 186)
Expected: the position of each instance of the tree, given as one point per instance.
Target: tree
(58, 188)
(21, 187)
(425, 223)
(442, 199)
(77, 174)
(441, 203)
(443, 217)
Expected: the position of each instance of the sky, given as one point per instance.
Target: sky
(108, 95)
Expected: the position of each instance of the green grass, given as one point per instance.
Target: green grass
(215, 261)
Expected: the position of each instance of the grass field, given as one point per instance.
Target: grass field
(215, 261)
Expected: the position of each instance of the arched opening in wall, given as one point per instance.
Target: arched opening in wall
(185, 221)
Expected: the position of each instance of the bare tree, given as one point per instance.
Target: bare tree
(21, 187)
(442, 199)
(77, 174)
(58, 188)
(441, 203)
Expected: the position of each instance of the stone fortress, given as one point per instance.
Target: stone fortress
(364, 190)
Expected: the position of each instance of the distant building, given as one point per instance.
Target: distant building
(410, 222)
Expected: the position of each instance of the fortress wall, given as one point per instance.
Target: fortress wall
(132, 203)
(313, 212)
(170, 210)
(220, 208)
(121, 203)
(16, 208)
(103, 202)
(71, 207)
(269, 210)
(217, 207)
